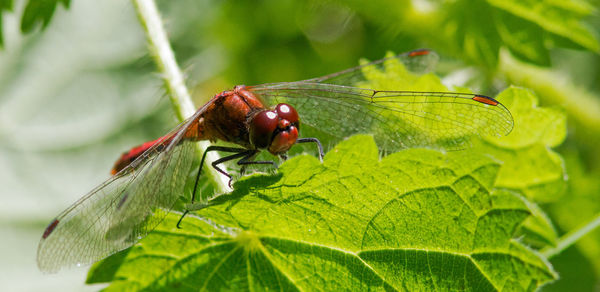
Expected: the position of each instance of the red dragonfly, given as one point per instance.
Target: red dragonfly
(149, 179)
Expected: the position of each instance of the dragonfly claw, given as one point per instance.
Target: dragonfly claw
(181, 219)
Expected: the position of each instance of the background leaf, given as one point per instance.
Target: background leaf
(560, 19)
(5, 5)
(36, 11)
(527, 28)
(40, 11)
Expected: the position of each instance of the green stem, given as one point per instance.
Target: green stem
(570, 238)
(163, 56)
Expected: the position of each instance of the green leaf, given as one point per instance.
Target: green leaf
(38, 11)
(356, 222)
(544, 126)
(415, 220)
(529, 165)
(538, 231)
(5, 5)
(394, 74)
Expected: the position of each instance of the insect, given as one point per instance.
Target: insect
(148, 180)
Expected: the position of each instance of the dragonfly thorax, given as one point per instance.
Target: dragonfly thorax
(275, 130)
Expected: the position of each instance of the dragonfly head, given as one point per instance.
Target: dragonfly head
(275, 130)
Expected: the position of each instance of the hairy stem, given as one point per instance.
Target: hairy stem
(162, 53)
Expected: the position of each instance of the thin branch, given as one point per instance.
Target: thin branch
(161, 51)
(570, 238)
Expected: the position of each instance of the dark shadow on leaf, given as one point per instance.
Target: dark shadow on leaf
(246, 186)
(104, 271)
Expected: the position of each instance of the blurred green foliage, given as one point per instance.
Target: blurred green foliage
(36, 11)
(77, 94)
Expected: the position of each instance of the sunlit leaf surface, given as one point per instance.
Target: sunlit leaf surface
(414, 220)
(530, 166)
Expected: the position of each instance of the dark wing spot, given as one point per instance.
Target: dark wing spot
(485, 99)
(50, 228)
(122, 201)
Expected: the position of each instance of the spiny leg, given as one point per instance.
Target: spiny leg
(243, 168)
(248, 161)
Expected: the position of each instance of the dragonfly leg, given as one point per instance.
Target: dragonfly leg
(243, 155)
(248, 161)
(243, 168)
(216, 148)
(239, 153)
(316, 141)
(181, 219)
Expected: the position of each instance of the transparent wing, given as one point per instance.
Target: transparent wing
(397, 119)
(122, 210)
(417, 61)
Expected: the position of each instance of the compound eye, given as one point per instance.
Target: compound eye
(262, 127)
(287, 112)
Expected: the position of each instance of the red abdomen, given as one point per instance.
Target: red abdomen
(131, 155)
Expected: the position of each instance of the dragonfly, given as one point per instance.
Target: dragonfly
(148, 180)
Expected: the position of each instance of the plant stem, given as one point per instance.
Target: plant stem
(570, 238)
(162, 53)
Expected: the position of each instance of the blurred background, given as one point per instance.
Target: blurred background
(76, 94)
